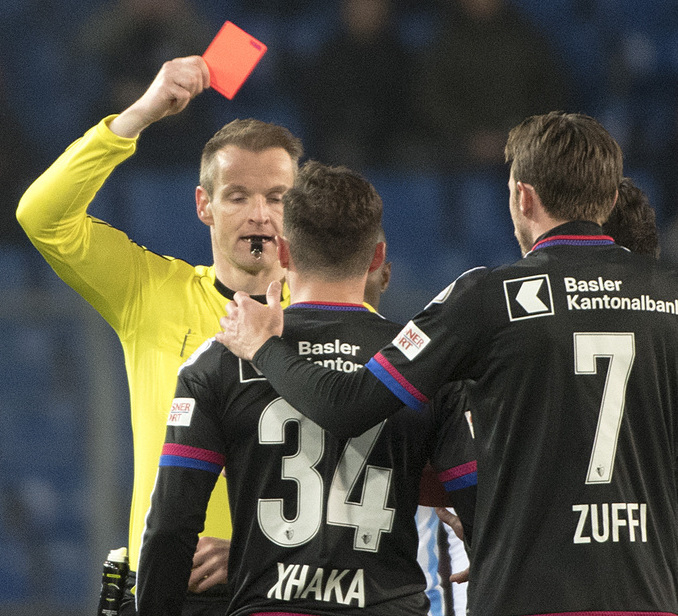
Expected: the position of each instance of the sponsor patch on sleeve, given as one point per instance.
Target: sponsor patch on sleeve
(411, 340)
(181, 412)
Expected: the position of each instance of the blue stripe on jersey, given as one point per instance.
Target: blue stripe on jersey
(330, 306)
(396, 383)
(574, 240)
(181, 461)
(461, 482)
(460, 477)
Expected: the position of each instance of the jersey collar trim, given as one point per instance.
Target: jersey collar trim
(573, 234)
(331, 306)
(574, 240)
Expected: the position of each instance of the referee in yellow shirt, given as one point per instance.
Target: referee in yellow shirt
(163, 308)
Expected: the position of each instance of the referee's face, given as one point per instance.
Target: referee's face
(245, 209)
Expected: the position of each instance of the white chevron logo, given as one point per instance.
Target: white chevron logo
(527, 296)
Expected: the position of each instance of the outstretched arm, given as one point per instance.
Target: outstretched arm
(439, 345)
(83, 251)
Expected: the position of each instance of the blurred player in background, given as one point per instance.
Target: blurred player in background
(633, 222)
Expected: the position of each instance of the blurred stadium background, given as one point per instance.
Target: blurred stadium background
(65, 443)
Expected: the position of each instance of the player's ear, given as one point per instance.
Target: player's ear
(203, 206)
(526, 198)
(385, 276)
(379, 256)
(283, 251)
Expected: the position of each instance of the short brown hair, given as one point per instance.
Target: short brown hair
(252, 135)
(572, 162)
(332, 218)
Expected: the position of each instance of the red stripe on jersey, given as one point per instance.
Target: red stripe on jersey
(186, 451)
(458, 471)
(574, 240)
(402, 381)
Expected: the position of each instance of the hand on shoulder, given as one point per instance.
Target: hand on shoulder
(249, 324)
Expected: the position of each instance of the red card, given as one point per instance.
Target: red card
(231, 57)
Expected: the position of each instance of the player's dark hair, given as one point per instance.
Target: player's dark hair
(633, 222)
(252, 135)
(572, 162)
(331, 217)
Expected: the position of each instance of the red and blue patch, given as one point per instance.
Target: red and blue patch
(459, 477)
(185, 456)
(396, 383)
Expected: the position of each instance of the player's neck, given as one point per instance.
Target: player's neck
(350, 291)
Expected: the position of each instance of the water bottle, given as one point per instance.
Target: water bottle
(116, 568)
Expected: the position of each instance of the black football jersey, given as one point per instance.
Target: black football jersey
(573, 356)
(321, 525)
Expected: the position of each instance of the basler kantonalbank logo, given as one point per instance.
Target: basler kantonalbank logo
(528, 298)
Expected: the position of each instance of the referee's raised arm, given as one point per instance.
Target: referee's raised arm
(176, 84)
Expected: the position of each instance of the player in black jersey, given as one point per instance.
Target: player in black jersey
(321, 525)
(632, 224)
(574, 356)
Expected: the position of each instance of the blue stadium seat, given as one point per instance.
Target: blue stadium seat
(42, 447)
(14, 567)
(421, 257)
(157, 210)
(14, 267)
(480, 218)
(412, 206)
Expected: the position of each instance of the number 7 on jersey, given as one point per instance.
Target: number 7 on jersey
(620, 348)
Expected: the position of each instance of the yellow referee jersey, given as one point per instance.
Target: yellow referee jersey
(162, 308)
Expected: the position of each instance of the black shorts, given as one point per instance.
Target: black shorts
(212, 602)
